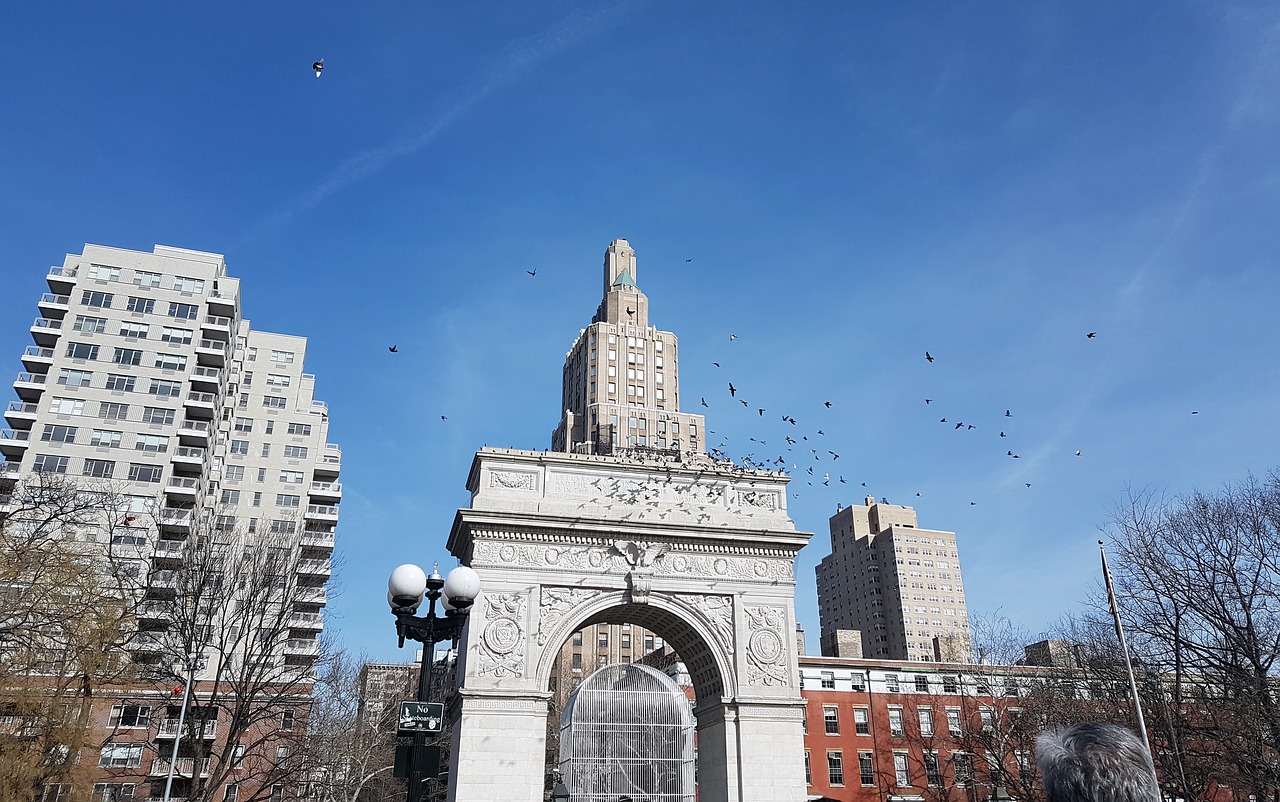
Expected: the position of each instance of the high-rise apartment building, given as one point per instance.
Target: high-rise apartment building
(621, 377)
(896, 584)
(144, 379)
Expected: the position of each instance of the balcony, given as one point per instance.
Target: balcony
(176, 520)
(329, 462)
(148, 642)
(155, 612)
(21, 414)
(317, 540)
(321, 512)
(46, 331)
(312, 596)
(302, 647)
(221, 303)
(209, 377)
(320, 408)
(211, 353)
(183, 767)
(169, 729)
(6, 504)
(13, 444)
(62, 279)
(326, 491)
(195, 433)
(29, 386)
(315, 567)
(183, 488)
(54, 305)
(204, 405)
(216, 327)
(308, 621)
(188, 457)
(37, 359)
(169, 550)
(9, 473)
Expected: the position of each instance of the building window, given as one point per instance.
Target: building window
(286, 500)
(112, 792)
(282, 356)
(121, 383)
(286, 721)
(243, 425)
(831, 720)
(835, 768)
(859, 682)
(861, 721)
(165, 388)
(232, 794)
(54, 433)
(134, 331)
(144, 278)
(105, 438)
(577, 660)
(922, 683)
(237, 756)
(962, 764)
(901, 772)
(274, 402)
(577, 638)
(295, 452)
(230, 496)
(266, 449)
(891, 683)
(953, 721)
(925, 715)
(950, 685)
(139, 472)
(171, 362)
(278, 379)
(808, 772)
(300, 429)
(104, 273)
(89, 325)
(99, 468)
(120, 756)
(82, 351)
(157, 415)
(895, 721)
(291, 477)
(866, 768)
(602, 638)
(932, 774)
(828, 680)
(240, 447)
(127, 356)
(234, 473)
(141, 306)
(183, 311)
(48, 463)
(184, 284)
(75, 378)
(129, 716)
(98, 300)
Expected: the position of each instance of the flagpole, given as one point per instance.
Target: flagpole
(1124, 646)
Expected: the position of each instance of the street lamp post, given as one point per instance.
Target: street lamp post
(406, 589)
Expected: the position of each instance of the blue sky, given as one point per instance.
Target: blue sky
(855, 184)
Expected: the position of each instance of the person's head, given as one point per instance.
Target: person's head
(1094, 762)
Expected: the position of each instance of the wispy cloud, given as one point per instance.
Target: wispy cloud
(517, 59)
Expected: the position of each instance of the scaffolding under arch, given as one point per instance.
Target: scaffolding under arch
(628, 732)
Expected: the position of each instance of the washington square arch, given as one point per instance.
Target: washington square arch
(628, 519)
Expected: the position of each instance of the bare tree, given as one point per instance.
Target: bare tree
(69, 569)
(1198, 579)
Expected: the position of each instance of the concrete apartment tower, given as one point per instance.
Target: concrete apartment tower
(621, 376)
(896, 584)
(145, 378)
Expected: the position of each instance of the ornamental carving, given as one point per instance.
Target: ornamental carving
(625, 556)
(762, 499)
(513, 480)
(766, 646)
(555, 604)
(502, 644)
(717, 611)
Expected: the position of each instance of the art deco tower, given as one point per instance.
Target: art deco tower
(621, 376)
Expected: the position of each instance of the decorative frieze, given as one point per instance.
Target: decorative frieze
(615, 559)
(555, 604)
(502, 644)
(513, 480)
(766, 647)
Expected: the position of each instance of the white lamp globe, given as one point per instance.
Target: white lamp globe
(406, 586)
(462, 585)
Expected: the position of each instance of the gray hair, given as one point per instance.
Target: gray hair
(1094, 762)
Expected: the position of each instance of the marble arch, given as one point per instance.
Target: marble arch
(699, 552)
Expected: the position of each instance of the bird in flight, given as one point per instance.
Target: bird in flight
(392, 348)
(960, 425)
(1002, 434)
(928, 400)
(928, 356)
(732, 337)
(630, 311)
(744, 401)
(533, 272)
(704, 401)
(442, 417)
(1008, 414)
(717, 364)
(760, 410)
(828, 404)
(1077, 453)
(687, 261)
(318, 66)
(1028, 484)
(732, 390)
(1091, 335)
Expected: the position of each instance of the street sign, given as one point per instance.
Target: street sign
(416, 717)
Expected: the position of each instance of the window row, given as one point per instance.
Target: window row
(146, 278)
(139, 305)
(98, 468)
(122, 356)
(110, 410)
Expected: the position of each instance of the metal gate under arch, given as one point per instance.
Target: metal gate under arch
(627, 732)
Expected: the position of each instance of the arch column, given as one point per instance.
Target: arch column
(498, 750)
